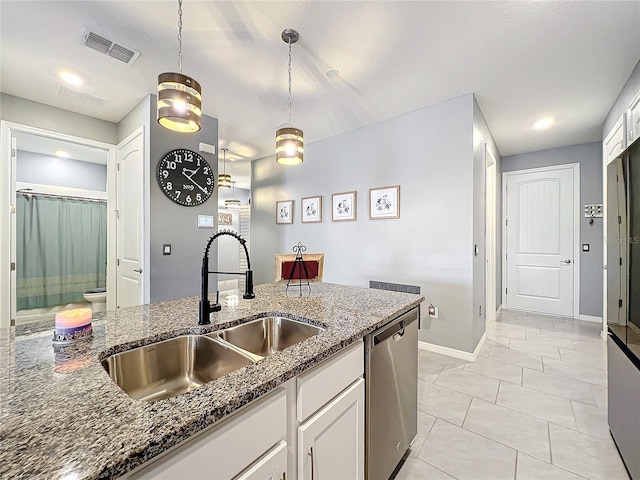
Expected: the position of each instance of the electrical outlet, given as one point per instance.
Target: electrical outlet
(432, 311)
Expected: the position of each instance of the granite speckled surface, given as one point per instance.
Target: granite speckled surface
(61, 416)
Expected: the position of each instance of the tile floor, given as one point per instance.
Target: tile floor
(532, 406)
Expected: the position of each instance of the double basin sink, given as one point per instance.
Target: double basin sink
(171, 367)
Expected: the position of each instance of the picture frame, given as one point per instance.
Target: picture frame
(225, 219)
(284, 212)
(384, 202)
(311, 209)
(344, 206)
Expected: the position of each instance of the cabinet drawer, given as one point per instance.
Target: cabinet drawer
(224, 450)
(318, 386)
(272, 465)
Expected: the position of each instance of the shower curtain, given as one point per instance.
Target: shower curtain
(61, 247)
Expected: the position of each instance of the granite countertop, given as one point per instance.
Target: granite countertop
(62, 417)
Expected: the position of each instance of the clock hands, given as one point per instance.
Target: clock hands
(190, 177)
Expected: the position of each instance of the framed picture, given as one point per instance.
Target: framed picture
(311, 210)
(384, 202)
(284, 211)
(344, 206)
(225, 219)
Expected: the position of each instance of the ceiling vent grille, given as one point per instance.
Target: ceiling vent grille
(114, 50)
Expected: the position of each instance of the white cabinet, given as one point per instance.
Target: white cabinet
(272, 465)
(633, 120)
(331, 442)
(614, 142)
(226, 449)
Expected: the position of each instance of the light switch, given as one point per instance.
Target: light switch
(166, 249)
(585, 247)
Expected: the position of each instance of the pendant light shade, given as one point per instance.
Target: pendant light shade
(179, 96)
(232, 203)
(289, 140)
(224, 179)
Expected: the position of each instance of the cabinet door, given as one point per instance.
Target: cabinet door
(633, 120)
(331, 443)
(614, 142)
(272, 465)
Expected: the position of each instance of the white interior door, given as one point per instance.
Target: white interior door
(490, 235)
(540, 240)
(130, 220)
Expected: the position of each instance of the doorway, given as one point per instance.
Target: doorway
(11, 133)
(490, 234)
(541, 210)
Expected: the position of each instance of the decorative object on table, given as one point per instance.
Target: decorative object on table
(284, 211)
(284, 263)
(289, 140)
(344, 206)
(299, 270)
(72, 326)
(179, 96)
(384, 202)
(185, 177)
(225, 219)
(232, 203)
(224, 179)
(311, 210)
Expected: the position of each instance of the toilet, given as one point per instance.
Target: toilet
(98, 299)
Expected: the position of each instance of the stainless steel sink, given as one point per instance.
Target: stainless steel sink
(265, 336)
(172, 367)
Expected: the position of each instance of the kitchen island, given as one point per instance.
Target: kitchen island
(61, 416)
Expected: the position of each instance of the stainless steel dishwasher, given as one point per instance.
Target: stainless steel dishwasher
(391, 401)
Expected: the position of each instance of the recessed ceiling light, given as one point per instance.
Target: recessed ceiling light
(62, 153)
(543, 123)
(71, 78)
(332, 73)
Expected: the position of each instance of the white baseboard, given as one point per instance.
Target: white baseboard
(452, 352)
(590, 318)
(499, 309)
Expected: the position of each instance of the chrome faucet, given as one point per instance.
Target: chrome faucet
(205, 306)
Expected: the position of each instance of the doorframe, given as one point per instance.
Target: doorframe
(576, 228)
(490, 224)
(7, 189)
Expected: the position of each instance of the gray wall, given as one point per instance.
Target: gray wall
(628, 93)
(481, 137)
(63, 172)
(26, 112)
(178, 275)
(589, 156)
(429, 153)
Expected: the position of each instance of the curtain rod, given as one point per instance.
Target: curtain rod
(28, 192)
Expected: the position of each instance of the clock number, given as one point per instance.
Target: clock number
(169, 186)
(165, 173)
(178, 192)
(208, 180)
(189, 157)
(171, 165)
(188, 199)
(198, 159)
(206, 191)
(178, 159)
(205, 170)
(198, 197)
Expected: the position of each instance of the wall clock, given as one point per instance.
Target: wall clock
(185, 177)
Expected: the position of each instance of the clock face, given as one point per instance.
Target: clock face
(185, 177)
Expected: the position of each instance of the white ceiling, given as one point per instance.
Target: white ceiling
(523, 60)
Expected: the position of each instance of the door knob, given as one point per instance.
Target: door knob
(567, 261)
(139, 270)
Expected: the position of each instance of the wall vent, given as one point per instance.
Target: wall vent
(108, 47)
(78, 95)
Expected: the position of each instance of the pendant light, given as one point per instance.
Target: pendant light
(179, 96)
(232, 203)
(289, 140)
(224, 179)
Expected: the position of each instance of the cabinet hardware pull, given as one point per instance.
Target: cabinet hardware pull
(311, 453)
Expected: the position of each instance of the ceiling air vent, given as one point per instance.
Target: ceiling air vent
(78, 95)
(114, 50)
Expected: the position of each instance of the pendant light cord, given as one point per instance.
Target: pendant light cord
(180, 36)
(289, 71)
(224, 161)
